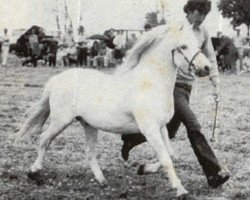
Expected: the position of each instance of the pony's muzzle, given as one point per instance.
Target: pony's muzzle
(203, 72)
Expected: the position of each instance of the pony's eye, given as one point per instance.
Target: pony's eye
(184, 47)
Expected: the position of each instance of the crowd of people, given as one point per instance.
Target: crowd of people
(106, 50)
(99, 50)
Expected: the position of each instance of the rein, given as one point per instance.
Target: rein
(190, 62)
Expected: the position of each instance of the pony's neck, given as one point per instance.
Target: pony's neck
(159, 62)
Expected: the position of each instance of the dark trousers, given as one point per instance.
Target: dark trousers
(184, 114)
(82, 54)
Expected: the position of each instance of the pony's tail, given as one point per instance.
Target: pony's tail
(39, 115)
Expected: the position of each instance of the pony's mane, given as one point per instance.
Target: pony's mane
(146, 42)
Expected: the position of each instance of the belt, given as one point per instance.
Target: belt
(184, 86)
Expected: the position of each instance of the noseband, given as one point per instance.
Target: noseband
(190, 62)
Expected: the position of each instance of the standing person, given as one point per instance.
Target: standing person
(239, 43)
(131, 41)
(34, 46)
(5, 47)
(104, 54)
(94, 50)
(120, 44)
(228, 53)
(196, 11)
(68, 41)
(82, 51)
(110, 34)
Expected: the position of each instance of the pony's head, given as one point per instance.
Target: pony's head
(185, 48)
(177, 39)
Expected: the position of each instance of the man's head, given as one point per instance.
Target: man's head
(5, 31)
(197, 11)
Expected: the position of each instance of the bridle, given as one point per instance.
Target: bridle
(190, 62)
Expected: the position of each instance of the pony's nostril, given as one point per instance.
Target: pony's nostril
(206, 68)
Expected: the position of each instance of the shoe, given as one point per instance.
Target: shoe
(217, 180)
(125, 149)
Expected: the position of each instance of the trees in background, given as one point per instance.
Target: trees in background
(237, 10)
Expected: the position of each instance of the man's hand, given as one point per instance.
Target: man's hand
(216, 97)
(216, 94)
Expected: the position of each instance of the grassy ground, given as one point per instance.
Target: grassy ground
(67, 175)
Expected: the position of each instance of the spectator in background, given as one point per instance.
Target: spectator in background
(227, 53)
(93, 52)
(120, 46)
(5, 40)
(239, 43)
(52, 51)
(110, 34)
(82, 51)
(40, 34)
(246, 63)
(34, 47)
(104, 55)
(68, 41)
(131, 41)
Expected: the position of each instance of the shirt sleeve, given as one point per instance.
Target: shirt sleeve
(208, 50)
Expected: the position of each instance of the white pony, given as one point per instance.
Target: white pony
(137, 98)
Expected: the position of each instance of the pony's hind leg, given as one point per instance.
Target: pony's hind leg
(91, 140)
(153, 135)
(55, 128)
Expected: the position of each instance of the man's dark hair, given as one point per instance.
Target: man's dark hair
(203, 6)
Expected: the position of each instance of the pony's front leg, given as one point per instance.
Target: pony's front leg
(155, 167)
(153, 135)
(91, 141)
(165, 137)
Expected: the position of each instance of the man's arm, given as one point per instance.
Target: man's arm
(208, 50)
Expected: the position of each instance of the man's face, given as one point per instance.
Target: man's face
(196, 18)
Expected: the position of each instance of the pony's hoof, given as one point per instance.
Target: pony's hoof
(182, 193)
(104, 183)
(36, 177)
(184, 197)
(33, 175)
(141, 170)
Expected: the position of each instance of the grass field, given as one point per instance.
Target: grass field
(66, 174)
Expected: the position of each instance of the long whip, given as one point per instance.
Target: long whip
(212, 139)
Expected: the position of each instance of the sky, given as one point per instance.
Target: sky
(98, 15)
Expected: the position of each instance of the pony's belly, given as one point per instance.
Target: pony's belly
(114, 123)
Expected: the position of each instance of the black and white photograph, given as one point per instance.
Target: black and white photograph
(124, 99)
